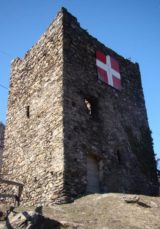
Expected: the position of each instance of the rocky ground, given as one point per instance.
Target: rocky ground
(98, 211)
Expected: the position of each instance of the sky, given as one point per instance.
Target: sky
(131, 28)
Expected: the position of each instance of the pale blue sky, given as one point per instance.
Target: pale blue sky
(131, 28)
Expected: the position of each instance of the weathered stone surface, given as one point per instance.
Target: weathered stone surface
(30, 220)
(131, 199)
(51, 132)
(115, 132)
(34, 136)
(159, 180)
(2, 128)
(3, 211)
(97, 211)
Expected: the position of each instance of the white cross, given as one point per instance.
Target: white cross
(108, 68)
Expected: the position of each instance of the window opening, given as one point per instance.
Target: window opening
(118, 156)
(28, 112)
(92, 108)
(88, 106)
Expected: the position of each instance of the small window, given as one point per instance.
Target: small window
(92, 108)
(28, 112)
(88, 106)
(118, 157)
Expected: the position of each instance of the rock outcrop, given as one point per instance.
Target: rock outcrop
(109, 211)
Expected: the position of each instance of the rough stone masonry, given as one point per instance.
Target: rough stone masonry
(68, 133)
(2, 128)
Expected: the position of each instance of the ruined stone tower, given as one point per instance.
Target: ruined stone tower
(68, 132)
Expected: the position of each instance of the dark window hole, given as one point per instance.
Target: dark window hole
(118, 157)
(92, 107)
(28, 112)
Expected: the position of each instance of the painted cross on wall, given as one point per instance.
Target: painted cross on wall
(108, 70)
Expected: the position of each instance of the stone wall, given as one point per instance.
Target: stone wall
(34, 133)
(159, 181)
(51, 131)
(2, 128)
(116, 129)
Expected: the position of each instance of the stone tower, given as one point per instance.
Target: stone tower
(69, 133)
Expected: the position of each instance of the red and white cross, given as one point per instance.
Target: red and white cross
(108, 70)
